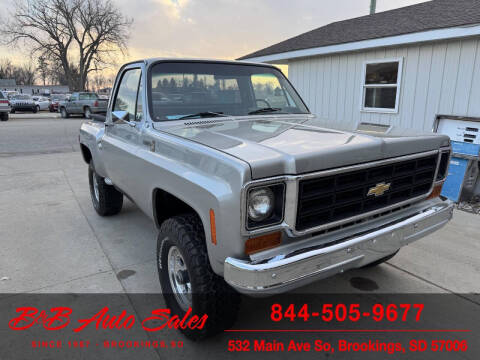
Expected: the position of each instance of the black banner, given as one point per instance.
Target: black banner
(310, 326)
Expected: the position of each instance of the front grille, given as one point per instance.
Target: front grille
(337, 197)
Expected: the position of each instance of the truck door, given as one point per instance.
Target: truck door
(71, 104)
(121, 141)
(83, 99)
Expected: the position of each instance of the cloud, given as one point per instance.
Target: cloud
(173, 8)
(227, 29)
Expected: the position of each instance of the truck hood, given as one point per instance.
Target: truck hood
(296, 144)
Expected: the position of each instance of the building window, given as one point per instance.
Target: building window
(381, 85)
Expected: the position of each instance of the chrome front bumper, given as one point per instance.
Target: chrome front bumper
(284, 272)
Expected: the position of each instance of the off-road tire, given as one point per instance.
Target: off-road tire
(211, 295)
(110, 200)
(380, 261)
(63, 113)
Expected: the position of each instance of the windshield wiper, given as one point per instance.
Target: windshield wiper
(203, 114)
(264, 110)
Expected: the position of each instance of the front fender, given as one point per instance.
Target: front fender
(91, 133)
(204, 179)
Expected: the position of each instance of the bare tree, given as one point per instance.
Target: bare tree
(23, 74)
(42, 68)
(99, 81)
(26, 74)
(6, 69)
(57, 75)
(81, 35)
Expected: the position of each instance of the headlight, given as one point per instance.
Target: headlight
(265, 205)
(260, 204)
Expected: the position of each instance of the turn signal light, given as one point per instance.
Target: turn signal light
(437, 189)
(213, 228)
(263, 242)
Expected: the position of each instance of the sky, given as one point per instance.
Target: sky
(223, 29)
(228, 29)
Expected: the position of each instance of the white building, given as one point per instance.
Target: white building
(401, 67)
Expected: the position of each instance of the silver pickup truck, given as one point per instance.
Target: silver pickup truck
(250, 192)
(83, 103)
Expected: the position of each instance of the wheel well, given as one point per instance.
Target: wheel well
(87, 155)
(174, 207)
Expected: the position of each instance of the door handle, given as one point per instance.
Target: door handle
(121, 121)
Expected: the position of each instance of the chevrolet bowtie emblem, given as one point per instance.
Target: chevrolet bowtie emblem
(379, 189)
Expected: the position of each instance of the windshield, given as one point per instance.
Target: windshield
(198, 89)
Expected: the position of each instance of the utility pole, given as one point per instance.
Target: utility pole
(373, 6)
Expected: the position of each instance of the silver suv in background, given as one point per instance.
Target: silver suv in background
(4, 107)
(23, 102)
(83, 103)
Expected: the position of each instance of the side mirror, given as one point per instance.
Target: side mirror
(119, 115)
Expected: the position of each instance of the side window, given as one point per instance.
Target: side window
(139, 110)
(268, 91)
(381, 86)
(126, 99)
(74, 97)
(88, 96)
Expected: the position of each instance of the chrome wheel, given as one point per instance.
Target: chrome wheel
(179, 278)
(95, 187)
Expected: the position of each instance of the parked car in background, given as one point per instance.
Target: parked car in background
(55, 101)
(42, 102)
(10, 93)
(4, 107)
(23, 102)
(84, 103)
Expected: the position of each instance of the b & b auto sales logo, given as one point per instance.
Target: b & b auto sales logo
(59, 318)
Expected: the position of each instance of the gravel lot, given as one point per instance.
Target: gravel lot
(53, 241)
